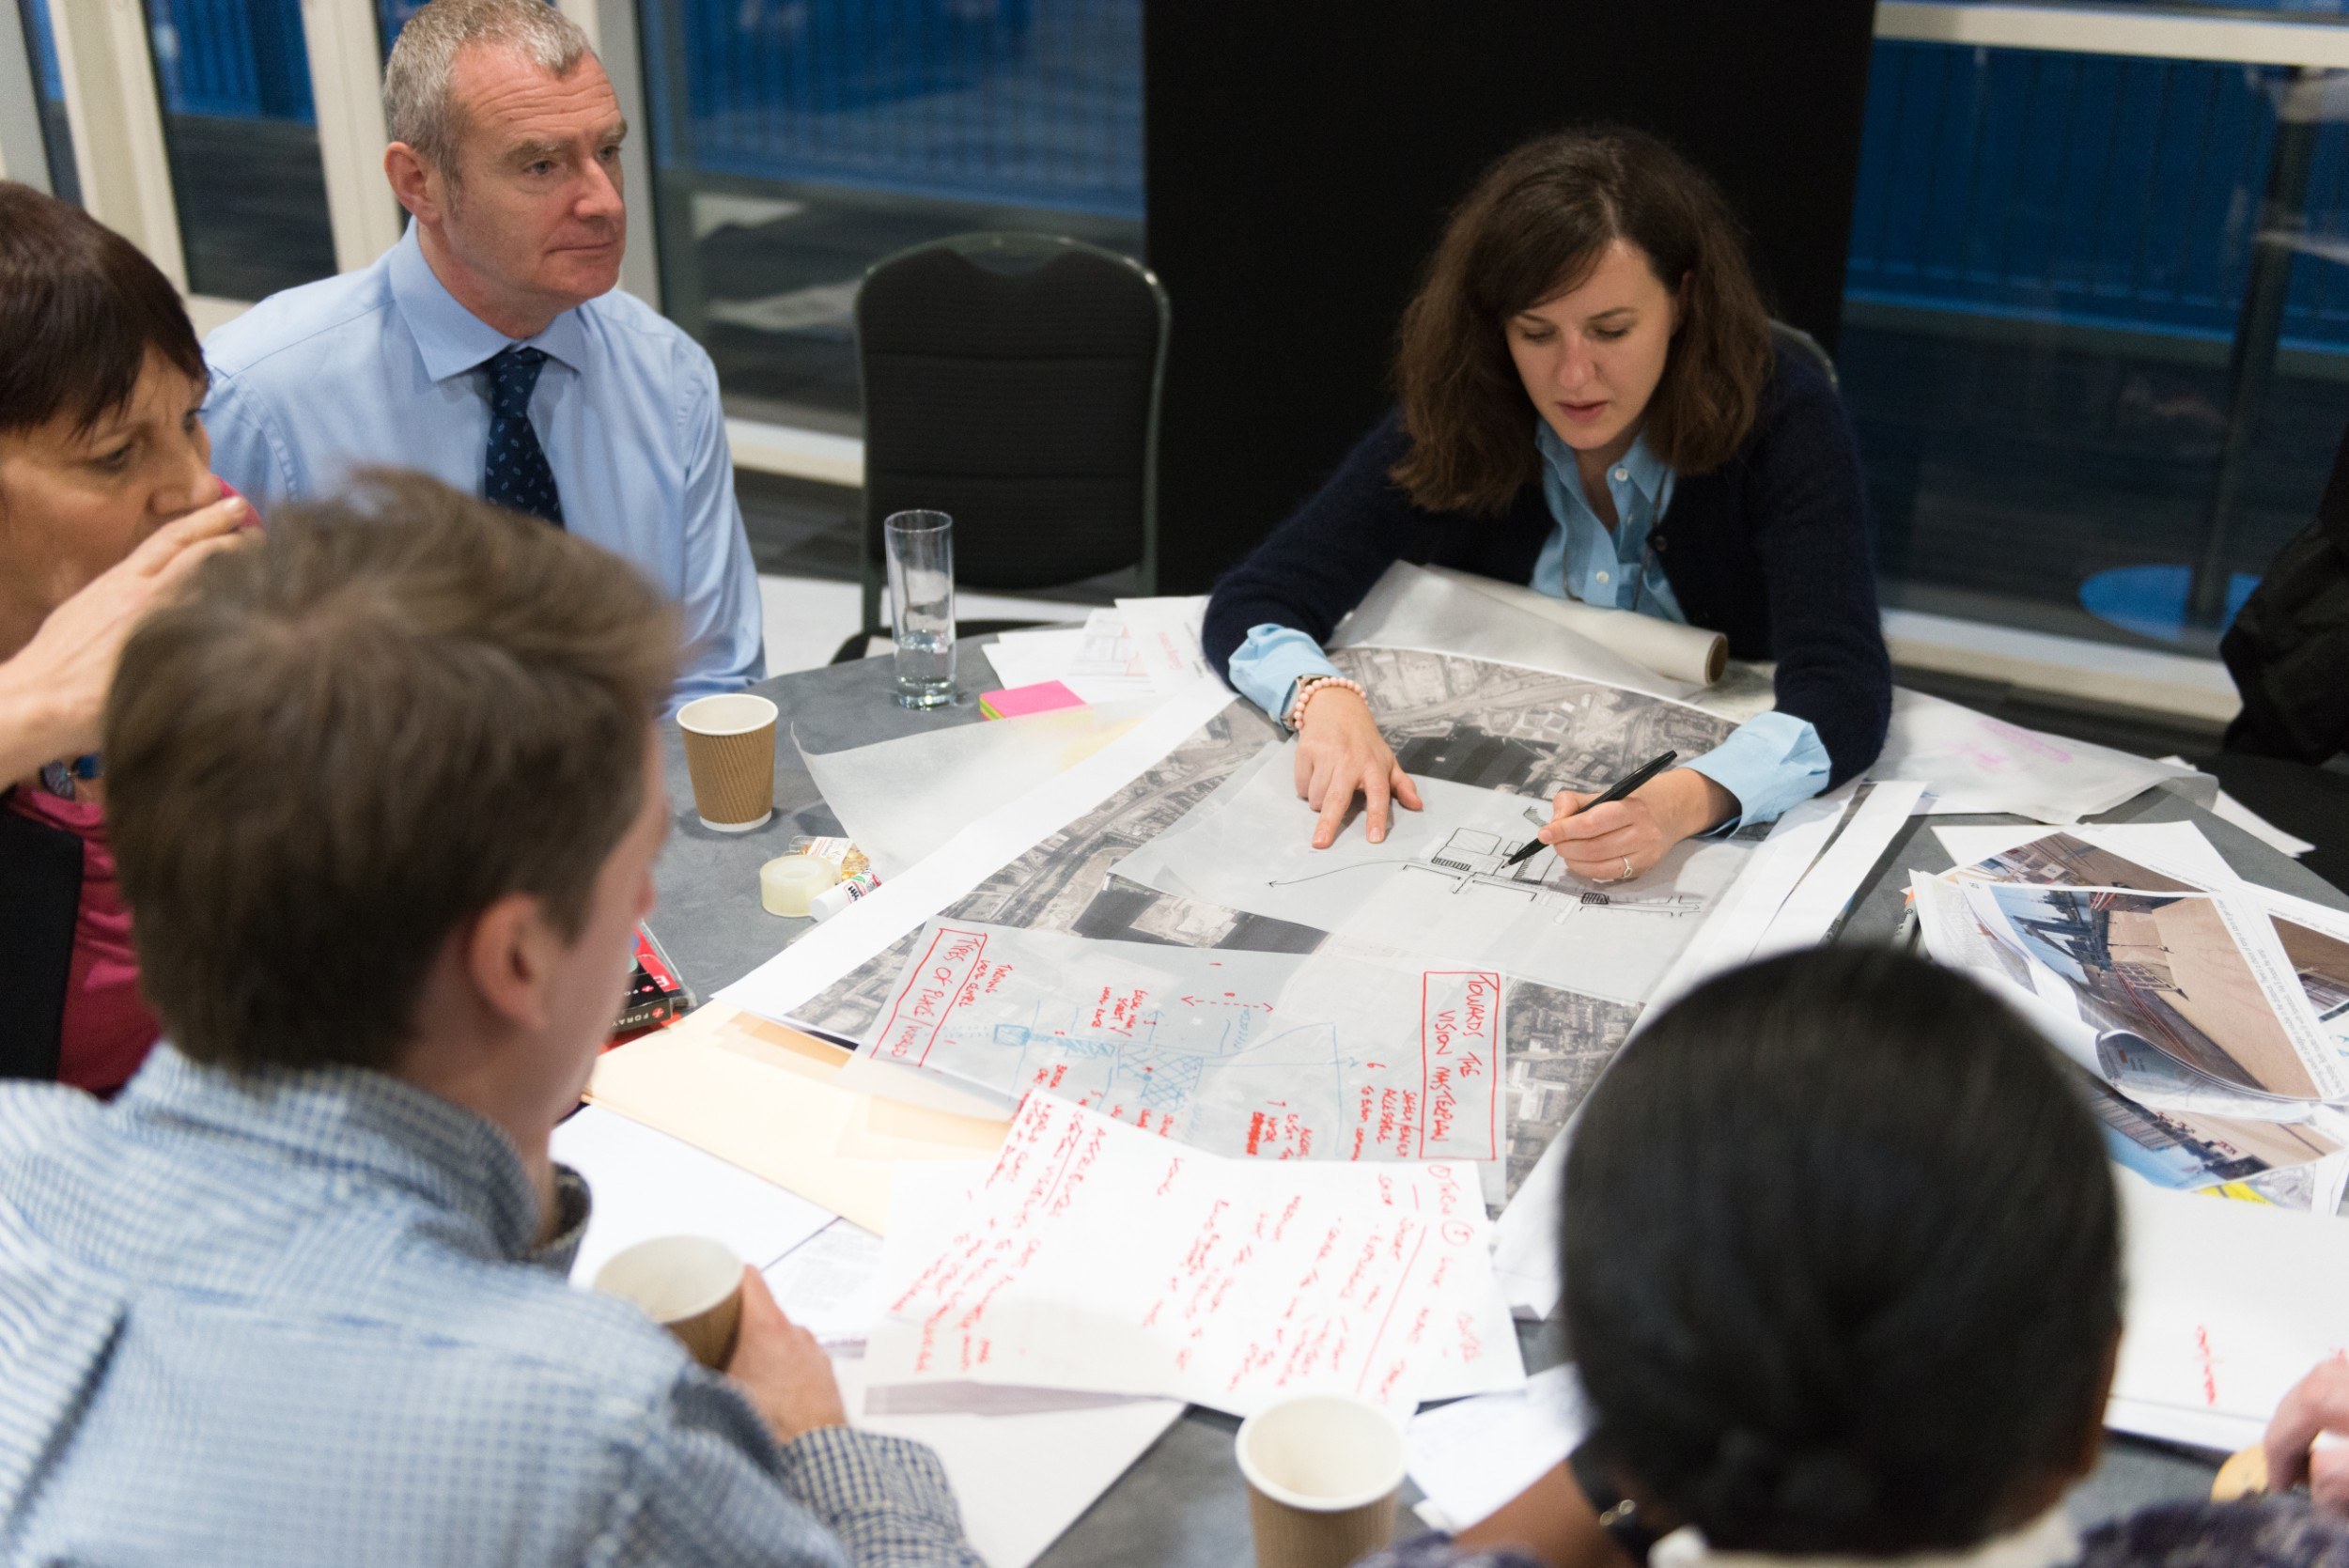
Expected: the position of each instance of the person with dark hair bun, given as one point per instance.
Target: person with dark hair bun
(107, 502)
(1594, 402)
(1843, 1267)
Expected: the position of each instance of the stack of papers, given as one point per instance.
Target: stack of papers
(1094, 1257)
(2208, 1021)
(1022, 1474)
(1143, 647)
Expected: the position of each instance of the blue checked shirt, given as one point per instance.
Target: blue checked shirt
(298, 1318)
(1770, 762)
(383, 366)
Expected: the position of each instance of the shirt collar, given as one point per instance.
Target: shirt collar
(452, 339)
(2046, 1542)
(1646, 470)
(353, 1121)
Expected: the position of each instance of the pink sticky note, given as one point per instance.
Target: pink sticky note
(1043, 697)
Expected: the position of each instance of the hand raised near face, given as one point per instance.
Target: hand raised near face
(52, 692)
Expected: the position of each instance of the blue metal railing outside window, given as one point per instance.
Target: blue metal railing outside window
(2085, 189)
(236, 59)
(1020, 103)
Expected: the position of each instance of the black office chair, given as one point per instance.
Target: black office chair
(2288, 651)
(1012, 382)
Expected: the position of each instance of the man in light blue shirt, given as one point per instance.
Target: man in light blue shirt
(490, 347)
(386, 799)
(1768, 763)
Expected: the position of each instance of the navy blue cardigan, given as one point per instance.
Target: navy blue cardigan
(1770, 548)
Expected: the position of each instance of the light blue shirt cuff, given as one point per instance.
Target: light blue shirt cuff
(1266, 668)
(1770, 762)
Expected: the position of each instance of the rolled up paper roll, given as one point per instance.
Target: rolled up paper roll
(1677, 652)
(787, 882)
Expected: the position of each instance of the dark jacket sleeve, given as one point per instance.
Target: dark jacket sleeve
(1809, 513)
(1316, 567)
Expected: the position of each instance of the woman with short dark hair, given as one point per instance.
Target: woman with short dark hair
(1843, 1275)
(107, 502)
(1593, 402)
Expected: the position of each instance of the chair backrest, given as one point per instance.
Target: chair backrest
(1012, 382)
(1803, 343)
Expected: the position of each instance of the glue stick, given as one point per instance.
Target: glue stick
(833, 899)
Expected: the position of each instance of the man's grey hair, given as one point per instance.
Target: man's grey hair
(417, 105)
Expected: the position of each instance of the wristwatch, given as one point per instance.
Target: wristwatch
(1618, 1516)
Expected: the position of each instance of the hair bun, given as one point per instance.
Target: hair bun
(1755, 1482)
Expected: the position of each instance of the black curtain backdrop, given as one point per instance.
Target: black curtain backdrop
(1303, 155)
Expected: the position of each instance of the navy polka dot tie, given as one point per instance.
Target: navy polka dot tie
(517, 475)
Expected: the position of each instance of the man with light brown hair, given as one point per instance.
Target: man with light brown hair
(386, 797)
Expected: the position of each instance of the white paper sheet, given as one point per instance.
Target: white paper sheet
(1098, 1258)
(1748, 907)
(1525, 1237)
(900, 799)
(1471, 1456)
(2228, 1304)
(1836, 878)
(1439, 884)
(2228, 809)
(1979, 764)
(645, 1183)
(1022, 1477)
(1096, 660)
(1164, 633)
(2177, 847)
(1329, 1055)
(830, 1285)
(870, 925)
(2175, 1423)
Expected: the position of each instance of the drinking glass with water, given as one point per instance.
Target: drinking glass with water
(921, 558)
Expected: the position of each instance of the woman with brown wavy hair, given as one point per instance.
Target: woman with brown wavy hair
(1593, 403)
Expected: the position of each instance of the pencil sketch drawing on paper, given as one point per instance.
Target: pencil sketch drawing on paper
(1488, 745)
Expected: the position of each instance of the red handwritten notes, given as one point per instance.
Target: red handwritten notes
(1338, 1054)
(1459, 1058)
(1096, 1256)
(951, 974)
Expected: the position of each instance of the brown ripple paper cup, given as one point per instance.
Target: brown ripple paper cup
(1323, 1473)
(689, 1284)
(730, 752)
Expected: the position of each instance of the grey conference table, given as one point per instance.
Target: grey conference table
(1183, 1505)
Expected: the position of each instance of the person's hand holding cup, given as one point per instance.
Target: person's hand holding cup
(723, 1313)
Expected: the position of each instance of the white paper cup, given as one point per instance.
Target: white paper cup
(689, 1284)
(731, 753)
(1323, 1473)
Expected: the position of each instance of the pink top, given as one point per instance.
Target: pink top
(107, 1027)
